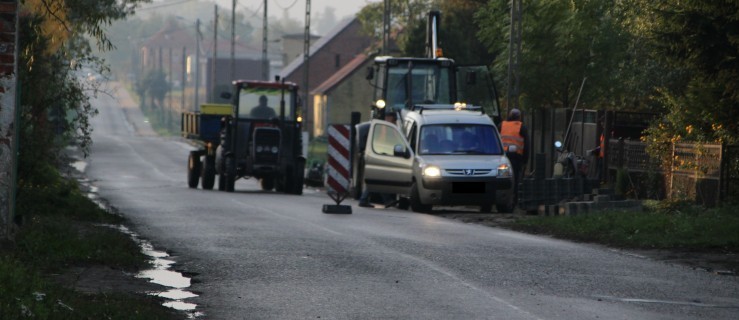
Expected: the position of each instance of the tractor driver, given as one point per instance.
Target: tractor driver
(262, 111)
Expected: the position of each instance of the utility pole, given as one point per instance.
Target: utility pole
(306, 54)
(265, 63)
(212, 89)
(514, 54)
(233, 39)
(169, 81)
(385, 27)
(197, 65)
(183, 84)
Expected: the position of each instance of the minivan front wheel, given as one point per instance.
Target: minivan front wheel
(416, 204)
(506, 207)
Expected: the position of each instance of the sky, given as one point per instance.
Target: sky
(344, 8)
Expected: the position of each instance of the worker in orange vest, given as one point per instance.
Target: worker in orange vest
(514, 135)
(601, 149)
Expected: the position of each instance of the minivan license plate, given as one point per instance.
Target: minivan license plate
(468, 187)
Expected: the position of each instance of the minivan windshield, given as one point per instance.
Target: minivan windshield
(459, 139)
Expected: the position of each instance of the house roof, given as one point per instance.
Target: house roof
(299, 36)
(320, 43)
(350, 68)
(171, 36)
(241, 50)
(175, 36)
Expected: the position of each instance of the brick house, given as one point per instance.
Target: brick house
(328, 55)
(172, 49)
(346, 91)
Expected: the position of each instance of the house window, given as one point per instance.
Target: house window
(337, 60)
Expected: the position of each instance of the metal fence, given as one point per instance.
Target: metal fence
(631, 155)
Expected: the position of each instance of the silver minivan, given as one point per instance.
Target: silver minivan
(440, 155)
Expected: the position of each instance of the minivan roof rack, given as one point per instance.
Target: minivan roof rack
(457, 106)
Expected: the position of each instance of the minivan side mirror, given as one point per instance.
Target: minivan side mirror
(400, 151)
(370, 73)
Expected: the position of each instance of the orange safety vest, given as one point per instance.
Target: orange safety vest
(602, 146)
(510, 133)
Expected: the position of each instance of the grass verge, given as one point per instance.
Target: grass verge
(61, 228)
(662, 225)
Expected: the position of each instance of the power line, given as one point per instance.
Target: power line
(163, 5)
(285, 8)
(254, 12)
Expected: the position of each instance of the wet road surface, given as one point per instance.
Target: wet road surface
(265, 255)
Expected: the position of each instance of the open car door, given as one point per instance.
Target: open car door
(475, 86)
(388, 159)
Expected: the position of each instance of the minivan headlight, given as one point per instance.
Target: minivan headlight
(504, 171)
(431, 171)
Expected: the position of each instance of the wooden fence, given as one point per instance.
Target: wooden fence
(730, 174)
(706, 173)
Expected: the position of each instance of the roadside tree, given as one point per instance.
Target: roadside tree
(564, 42)
(55, 43)
(697, 39)
(156, 87)
(457, 35)
(403, 15)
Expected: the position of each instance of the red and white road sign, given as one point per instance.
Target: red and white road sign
(339, 164)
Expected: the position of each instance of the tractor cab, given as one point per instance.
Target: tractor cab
(401, 83)
(262, 137)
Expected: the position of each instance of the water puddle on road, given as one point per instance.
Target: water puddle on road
(162, 274)
(80, 165)
(174, 282)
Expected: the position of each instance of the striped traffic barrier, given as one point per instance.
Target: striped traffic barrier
(339, 167)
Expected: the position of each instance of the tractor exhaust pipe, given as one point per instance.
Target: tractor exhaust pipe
(432, 38)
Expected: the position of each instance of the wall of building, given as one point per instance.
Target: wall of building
(328, 60)
(244, 69)
(293, 47)
(354, 94)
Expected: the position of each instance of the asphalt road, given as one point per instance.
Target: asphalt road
(264, 255)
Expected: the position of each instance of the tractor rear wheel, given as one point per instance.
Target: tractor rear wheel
(298, 174)
(295, 177)
(230, 175)
(268, 183)
(222, 181)
(193, 170)
(209, 173)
